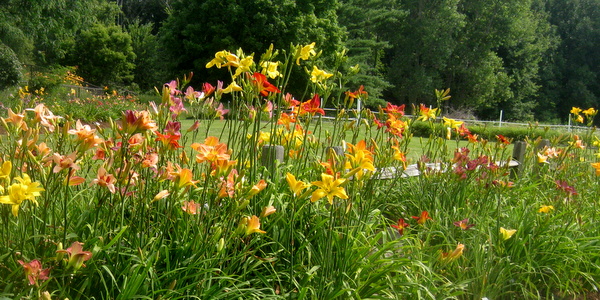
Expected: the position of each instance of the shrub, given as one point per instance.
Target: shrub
(10, 67)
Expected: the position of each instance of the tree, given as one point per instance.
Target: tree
(146, 73)
(572, 71)
(422, 45)
(251, 25)
(364, 21)
(104, 55)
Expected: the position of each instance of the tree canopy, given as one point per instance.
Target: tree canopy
(531, 59)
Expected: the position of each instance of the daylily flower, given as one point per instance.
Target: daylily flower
(575, 110)
(422, 218)
(358, 93)
(426, 113)
(546, 209)
(463, 224)
(395, 110)
(318, 76)
(44, 116)
(170, 141)
(25, 189)
(105, 179)
(161, 195)
(296, 186)
(34, 272)
(137, 121)
(454, 255)
(270, 69)
(222, 59)
(507, 233)
(76, 255)
(253, 225)
(502, 139)
(263, 85)
(541, 158)
(261, 185)
(305, 52)
(590, 112)
(328, 187)
(5, 170)
(267, 211)
(564, 186)
(183, 177)
(401, 226)
(577, 142)
(312, 106)
(191, 207)
(17, 119)
(451, 123)
(244, 66)
(596, 167)
(232, 87)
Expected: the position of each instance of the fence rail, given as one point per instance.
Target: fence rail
(495, 123)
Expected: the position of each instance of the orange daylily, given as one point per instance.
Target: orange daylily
(422, 218)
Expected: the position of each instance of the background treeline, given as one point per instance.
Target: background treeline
(531, 59)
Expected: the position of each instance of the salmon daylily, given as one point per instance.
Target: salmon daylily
(253, 225)
(328, 187)
(455, 254)
(76, 255)
(34, 272)
(191, 207)
(267, 211)
(257, 188)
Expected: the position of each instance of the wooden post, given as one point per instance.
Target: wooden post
(272, 155)
(337, 150)
(519, 149)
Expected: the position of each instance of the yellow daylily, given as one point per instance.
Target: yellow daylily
(5, 170)
(296, 186)
(597, 168)
(452, 123)
(270, 69)
(233, 87)
(575, 110)
(305, 52)
(507, 233)
(328, 187)
(25, 189)
(546, 209)
(318, 75)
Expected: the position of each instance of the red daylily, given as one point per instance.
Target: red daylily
(264, 86)
(395, 109)
(312, 106)
(422, 218)
(400, 226)
(502, 139)
(358, 93)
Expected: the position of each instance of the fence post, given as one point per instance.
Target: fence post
(337, 150)
(272, 155)
(519, 149)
